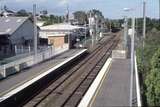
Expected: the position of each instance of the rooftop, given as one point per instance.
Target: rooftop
(10, 24)
(62, 26)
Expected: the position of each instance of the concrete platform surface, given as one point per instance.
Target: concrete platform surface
(115, 89)
(19, 79)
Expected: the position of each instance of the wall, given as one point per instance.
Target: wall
(26, 31)
(57, 41)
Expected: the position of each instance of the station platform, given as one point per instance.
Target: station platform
(115, 89)
(14, 84)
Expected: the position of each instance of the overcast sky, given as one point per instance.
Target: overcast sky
(110, 8)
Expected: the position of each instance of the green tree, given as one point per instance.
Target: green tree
(80, 16)
(153, 81)
(52, 19)
(22, 12)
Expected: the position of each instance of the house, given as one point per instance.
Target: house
(15, 31)
(60, 34)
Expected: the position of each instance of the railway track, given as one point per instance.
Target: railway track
(69, 89)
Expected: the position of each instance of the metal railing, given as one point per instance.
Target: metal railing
(138, 92)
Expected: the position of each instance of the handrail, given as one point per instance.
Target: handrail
(138, 92)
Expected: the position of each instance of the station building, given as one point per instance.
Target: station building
(15, 31)
(59, 35)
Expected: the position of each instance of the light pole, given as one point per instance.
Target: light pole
(132, 60)
(132, 56)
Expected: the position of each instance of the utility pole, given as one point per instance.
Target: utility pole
(144, 22)
(85, 32)
(35, 31)
(132, 60)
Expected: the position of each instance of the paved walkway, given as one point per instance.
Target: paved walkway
(115, 89)
(16, 80)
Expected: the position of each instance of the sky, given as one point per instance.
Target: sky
(110, 8)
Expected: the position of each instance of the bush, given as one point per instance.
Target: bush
(153, 81)
(148, 60)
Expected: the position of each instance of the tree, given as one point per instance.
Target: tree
(80, 16)
(96, 12)
(153, 81)
(52, 19)
(22, 12)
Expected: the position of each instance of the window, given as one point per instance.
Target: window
(66, 39)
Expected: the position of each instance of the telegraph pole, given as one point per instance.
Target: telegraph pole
(144, 22)
(35, 31)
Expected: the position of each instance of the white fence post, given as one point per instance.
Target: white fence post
(4, 71)
(29, 49)
(15, 48)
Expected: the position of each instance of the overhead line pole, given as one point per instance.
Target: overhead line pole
(144, 22)
(35, 32)
(85, 32)
(159, 11)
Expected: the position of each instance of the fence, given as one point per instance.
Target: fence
(22, 63)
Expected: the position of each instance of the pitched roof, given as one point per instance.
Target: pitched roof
(8, 25)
